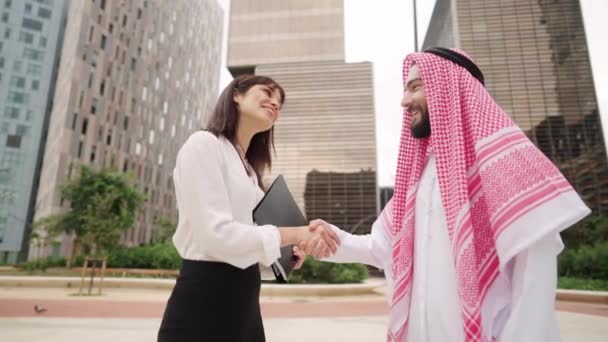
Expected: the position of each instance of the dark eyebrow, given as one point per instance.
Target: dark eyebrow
(412, 81)
(272, 90)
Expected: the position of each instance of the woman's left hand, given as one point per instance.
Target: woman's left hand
(300, 255)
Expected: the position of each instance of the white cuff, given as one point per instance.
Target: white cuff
(271, 240)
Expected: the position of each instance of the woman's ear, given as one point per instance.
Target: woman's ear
(237, 97)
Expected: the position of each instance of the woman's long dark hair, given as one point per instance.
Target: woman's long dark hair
(225, 120)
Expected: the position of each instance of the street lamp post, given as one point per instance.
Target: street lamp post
(415, 29)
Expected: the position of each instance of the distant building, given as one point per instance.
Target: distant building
(31, 37)
(136, 78)
(327, 125)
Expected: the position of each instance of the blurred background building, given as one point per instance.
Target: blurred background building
(135, 78)
(325, 138)
(535, 60)
(31, 36)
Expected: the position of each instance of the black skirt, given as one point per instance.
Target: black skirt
(214, 302)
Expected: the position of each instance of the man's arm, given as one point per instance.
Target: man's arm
(372, 249)
(534, 281)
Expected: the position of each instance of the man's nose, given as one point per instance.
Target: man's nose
(406, 101)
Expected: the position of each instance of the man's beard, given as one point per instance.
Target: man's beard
(422, 129)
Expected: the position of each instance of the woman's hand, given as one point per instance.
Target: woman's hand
(300, 255)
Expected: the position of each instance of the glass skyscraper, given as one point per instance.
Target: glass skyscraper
(536, 64)
(31, 35)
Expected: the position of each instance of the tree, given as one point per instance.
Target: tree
(103, 205)
(163, 230)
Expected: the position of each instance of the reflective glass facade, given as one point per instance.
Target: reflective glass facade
(536, 64)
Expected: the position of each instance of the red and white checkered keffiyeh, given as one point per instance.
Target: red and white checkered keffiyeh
(499, 192)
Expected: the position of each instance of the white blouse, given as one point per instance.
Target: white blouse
(215, 200)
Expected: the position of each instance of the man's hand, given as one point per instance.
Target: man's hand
(320, 247)
(300, 255)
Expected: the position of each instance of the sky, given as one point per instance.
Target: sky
(382, 31)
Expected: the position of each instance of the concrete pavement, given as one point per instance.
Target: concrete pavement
(574, 328)
(133, 315)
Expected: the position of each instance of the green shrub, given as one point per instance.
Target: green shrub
(158, 256)
(587, 232)
(43, 263)
(315, 272)
(582, 284)
(586, 261)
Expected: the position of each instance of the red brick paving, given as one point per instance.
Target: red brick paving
(118, 309)
(86, 308)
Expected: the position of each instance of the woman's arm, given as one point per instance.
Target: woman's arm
(203, 201)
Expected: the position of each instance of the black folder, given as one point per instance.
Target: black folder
(279, 208)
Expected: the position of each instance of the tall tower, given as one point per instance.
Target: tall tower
(536, 64)
(31, 35)
(135, 80)
(325, 138)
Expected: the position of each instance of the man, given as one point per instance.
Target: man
(469, 241)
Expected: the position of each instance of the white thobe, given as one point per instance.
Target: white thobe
(518, 310)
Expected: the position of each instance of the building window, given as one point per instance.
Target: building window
(93, 150)
(102, 87)
(18, 82)
(7, 3)
(5, 17)
(13, 141)
(102, 4)
(79, 154)
(34, 69)
(111, 28)
(44, 13)
(74, 120)
(29, 115)
(17, 97)
(26, 37)
(33, 54)
(22, 130)
(94, 106)
(35, 85)
(17, 66)
(28, 8)
(7, 33)
(11, 112)
(85, 124)
(1, 62)
(103, 41)
(32, 24)
(43, 42)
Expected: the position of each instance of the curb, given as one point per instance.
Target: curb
(595, 297)
(278, 290)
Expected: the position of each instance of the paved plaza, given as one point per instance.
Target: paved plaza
(133, 315)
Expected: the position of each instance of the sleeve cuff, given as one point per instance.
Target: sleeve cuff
(271, 240)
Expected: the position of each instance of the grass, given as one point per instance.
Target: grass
(569, 283)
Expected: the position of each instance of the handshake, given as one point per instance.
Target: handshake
(318, 240)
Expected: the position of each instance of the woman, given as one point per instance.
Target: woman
(217, 179)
